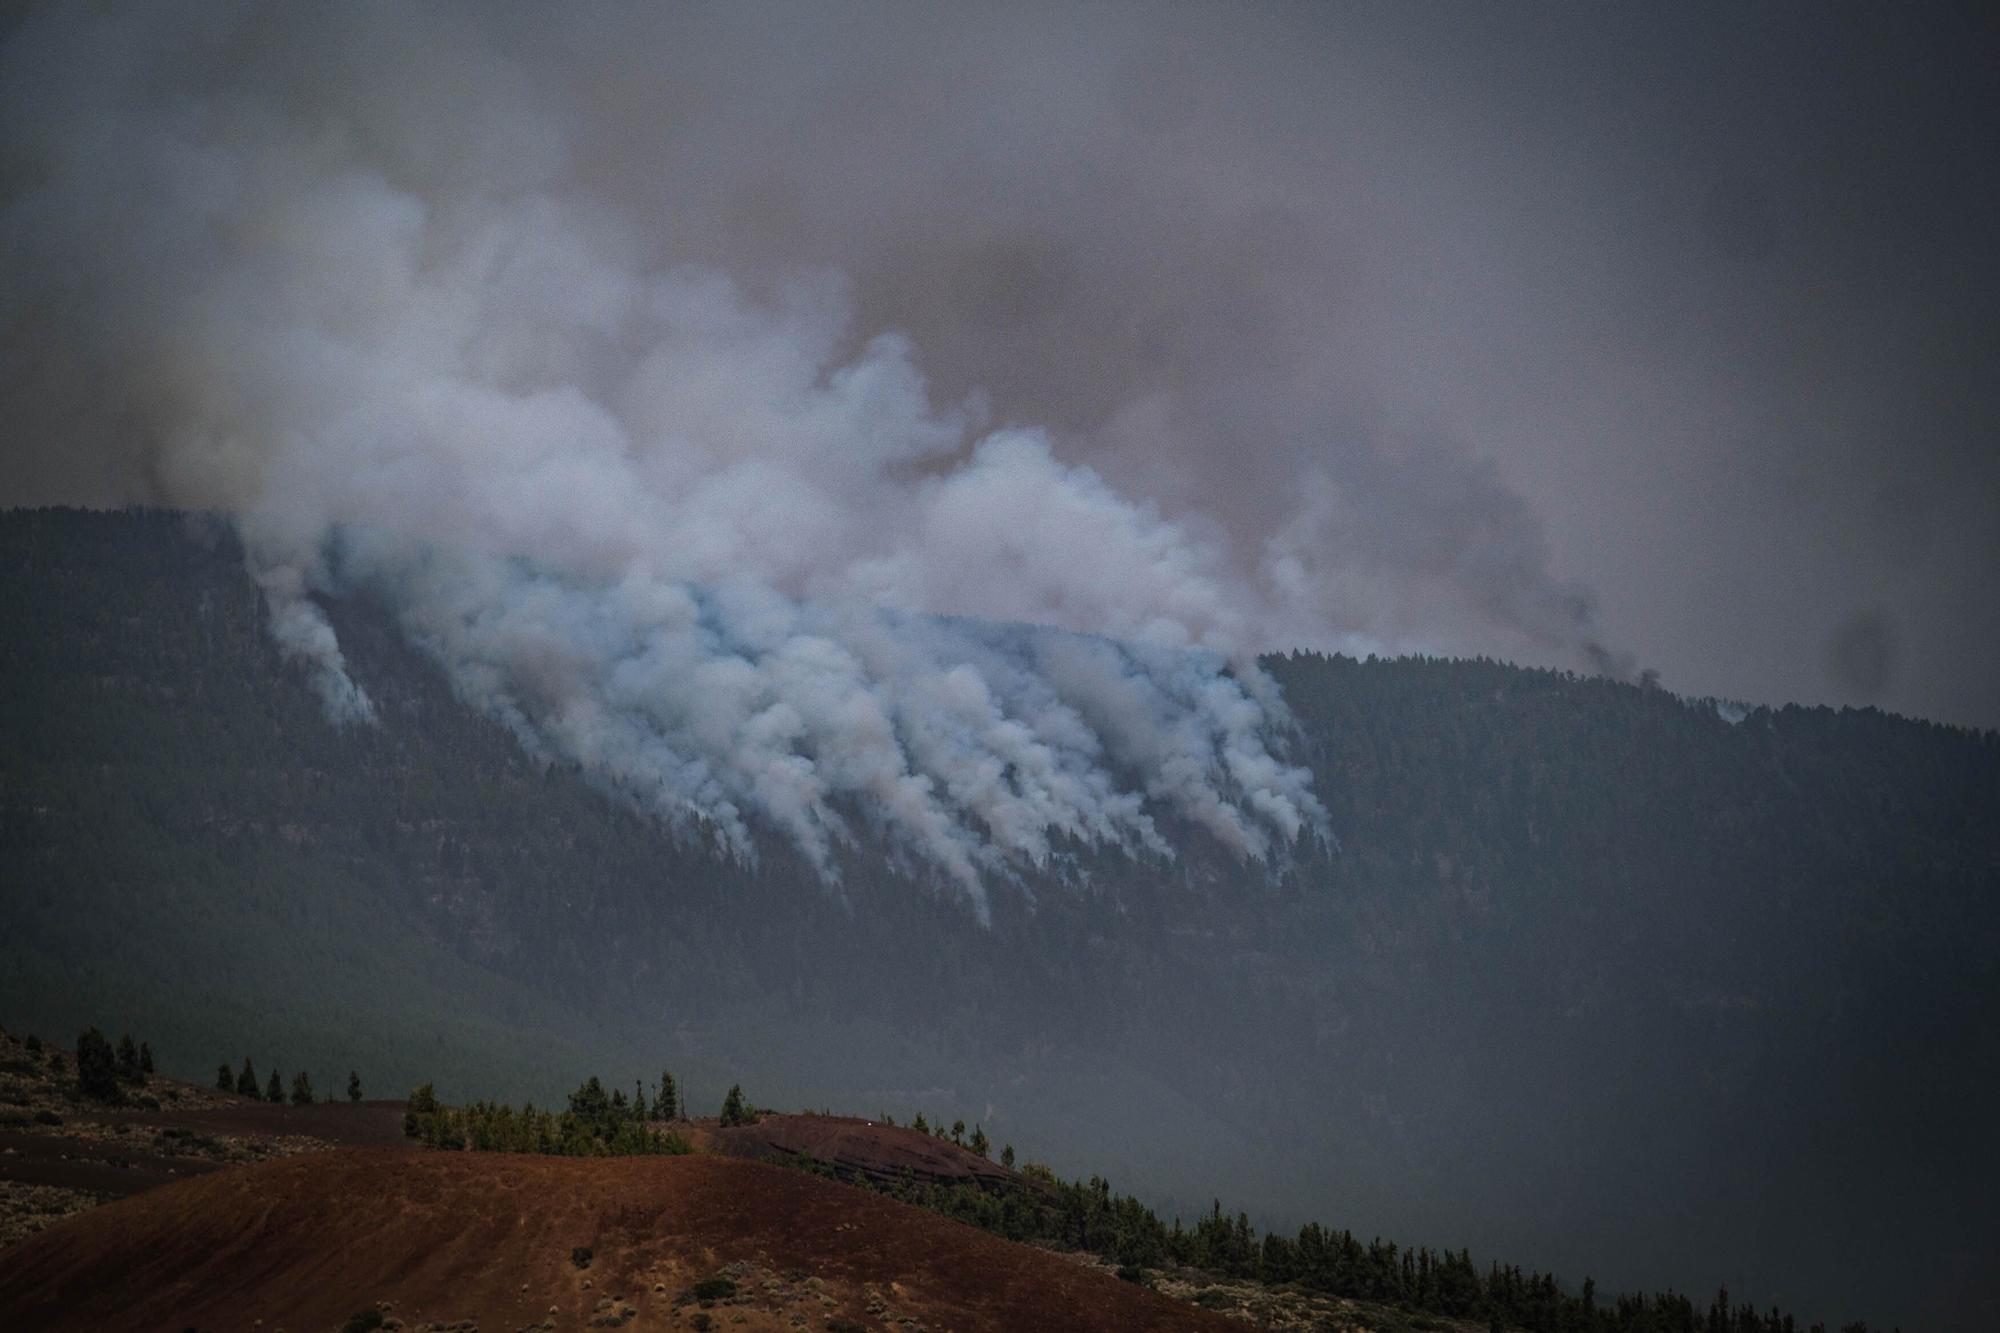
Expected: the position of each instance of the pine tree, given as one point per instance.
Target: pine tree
(668, 1107)
(980, 1143)
(128, 1059)
(958, 1132)
(735, 1111)
(1007, 1157)
(920, 1124)
(224, 1080)
(145, 1058)
(353, 1086)
(274, 1091)
(96, 1066)
(302, 1089)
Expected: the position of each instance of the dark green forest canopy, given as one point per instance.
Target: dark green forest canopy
(1589, 975)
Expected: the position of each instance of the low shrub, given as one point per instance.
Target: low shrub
(710, 1289)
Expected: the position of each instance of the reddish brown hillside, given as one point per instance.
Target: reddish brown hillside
(301, 1243)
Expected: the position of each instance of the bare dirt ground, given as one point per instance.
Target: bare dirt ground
(304, 1242)
(61, 1153)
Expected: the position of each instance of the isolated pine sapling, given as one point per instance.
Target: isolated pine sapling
(246, 1082)
(274, 1091)
(353, 1086)
(302, 1089)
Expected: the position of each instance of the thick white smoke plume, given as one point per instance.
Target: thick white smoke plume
(681, 536)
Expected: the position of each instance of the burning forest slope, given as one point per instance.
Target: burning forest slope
(307, 1242)
(1573, 942)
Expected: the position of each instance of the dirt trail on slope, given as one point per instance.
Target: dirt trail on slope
(300, 1243)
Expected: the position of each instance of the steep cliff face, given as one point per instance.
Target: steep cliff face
(1588, 974)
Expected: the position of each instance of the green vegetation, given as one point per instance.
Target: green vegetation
(596, 1124)
(1087, 1216)
(667, 1106)
(96, 1066)
(707, 1291)
(736, 1111)
(353, 1086)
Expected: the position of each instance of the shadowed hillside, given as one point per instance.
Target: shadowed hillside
(1591, 976)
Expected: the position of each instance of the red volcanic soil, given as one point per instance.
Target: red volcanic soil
(853, 1146)
(303, 1242)
(113, 1167)
(367, 1125)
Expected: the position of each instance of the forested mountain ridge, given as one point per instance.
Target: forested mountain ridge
(1587, 975)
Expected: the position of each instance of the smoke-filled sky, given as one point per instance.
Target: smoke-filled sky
(1601, 337)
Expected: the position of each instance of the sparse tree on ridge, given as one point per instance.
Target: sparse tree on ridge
(921, 1125)
(274, 1091)
(1007, 1157)
(958, 1132)
(128, 1060)
(246, 1082)
(980, 1143)
(668, 1107)
(96, 1066)
(353, 1086)
(302, 1089)
(735, 1111)
(224, 1080)
(145, 1058)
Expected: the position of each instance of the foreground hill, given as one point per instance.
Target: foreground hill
(303, 1243)
(1593, 977)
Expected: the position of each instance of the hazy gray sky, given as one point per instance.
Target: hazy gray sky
(1523, 330)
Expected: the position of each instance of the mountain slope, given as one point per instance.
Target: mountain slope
(1592, 976)
(306, 1242)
